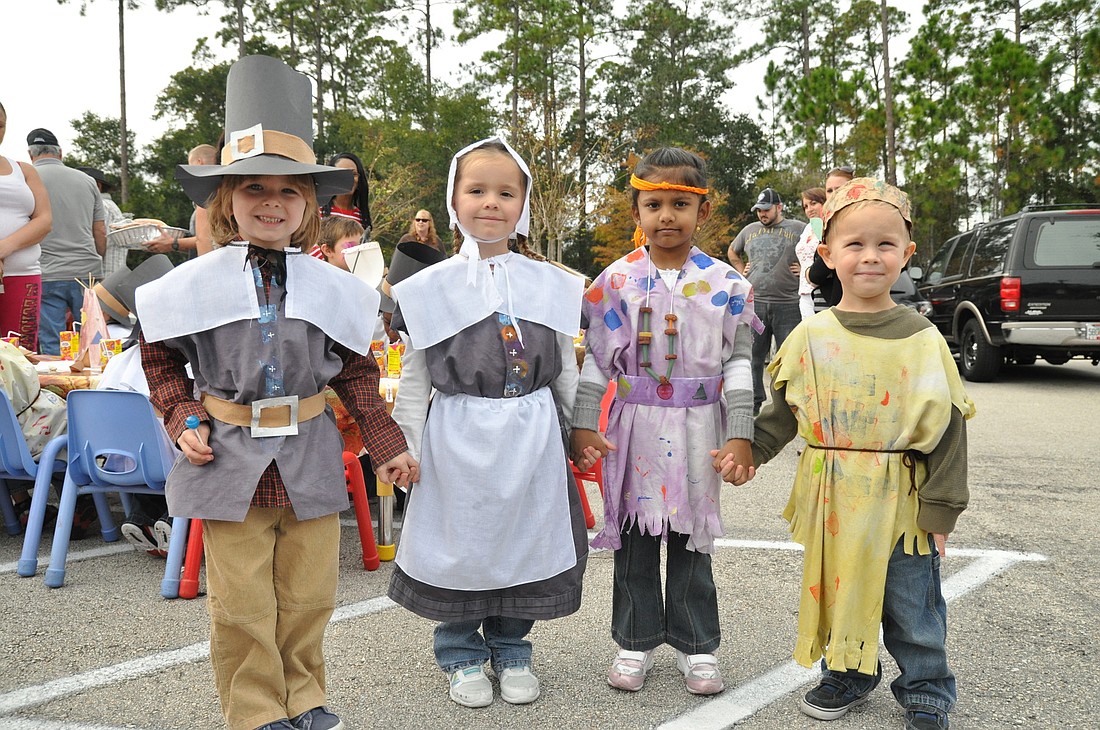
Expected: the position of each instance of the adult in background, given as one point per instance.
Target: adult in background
(115, 257)
(765, 252)
(806, 249)
(354, 204)
(422, 230)
(25, 219)
(821, 276)
(73, 250)
(198, 239)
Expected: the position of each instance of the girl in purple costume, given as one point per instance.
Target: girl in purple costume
(668, 324)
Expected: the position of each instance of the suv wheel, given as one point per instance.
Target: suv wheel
(979, 361)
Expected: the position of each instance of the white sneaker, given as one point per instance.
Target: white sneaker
(701, 675)
(471, 688)
(629, 670)
(518, 686)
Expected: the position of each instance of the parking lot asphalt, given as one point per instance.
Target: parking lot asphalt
(1022, 576)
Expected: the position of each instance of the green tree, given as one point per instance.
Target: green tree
(123, 137)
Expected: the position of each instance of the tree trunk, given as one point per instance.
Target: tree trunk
(888, 92)
(240, 27)
(317, 69)
(515, 66)
(582, 119)
(124, 151)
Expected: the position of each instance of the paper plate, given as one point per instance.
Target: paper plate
(366, 262)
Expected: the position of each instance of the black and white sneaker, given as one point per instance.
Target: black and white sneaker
(139, 532)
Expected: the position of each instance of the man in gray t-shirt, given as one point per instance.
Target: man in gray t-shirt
(764, 251)
(74, 248)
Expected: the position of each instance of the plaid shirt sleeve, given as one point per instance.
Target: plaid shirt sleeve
(357, 387)
(170, 390)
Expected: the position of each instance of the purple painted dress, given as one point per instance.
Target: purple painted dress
(661, 475)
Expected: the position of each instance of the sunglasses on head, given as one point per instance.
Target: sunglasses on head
(423, 220)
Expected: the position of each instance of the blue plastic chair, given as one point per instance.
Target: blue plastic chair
(115, 445)
(16, 463)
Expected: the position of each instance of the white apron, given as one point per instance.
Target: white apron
(523, 532)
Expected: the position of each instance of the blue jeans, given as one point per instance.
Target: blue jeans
(500, 639)
(687, 618)
(914, 629)
(58, 299)
(779, 319)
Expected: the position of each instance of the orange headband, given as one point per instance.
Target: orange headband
(639, 184)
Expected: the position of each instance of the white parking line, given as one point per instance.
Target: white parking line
(40, 694)
(23, 723)
(740, 703)
(111, 548)
(732, 706)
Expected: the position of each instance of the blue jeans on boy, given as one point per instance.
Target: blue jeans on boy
(58, 299)
(687, 618)
(779, 319)
(914, 629)
(499, 639)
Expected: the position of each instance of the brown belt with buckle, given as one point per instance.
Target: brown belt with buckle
(268, 413)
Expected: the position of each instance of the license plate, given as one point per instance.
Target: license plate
(1092, 331)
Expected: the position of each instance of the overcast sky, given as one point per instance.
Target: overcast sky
(57, 64)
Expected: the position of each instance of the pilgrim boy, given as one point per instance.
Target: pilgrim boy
(265, 331)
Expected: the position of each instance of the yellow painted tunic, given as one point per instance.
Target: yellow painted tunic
(860, 401)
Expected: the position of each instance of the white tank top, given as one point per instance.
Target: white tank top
(16, 206)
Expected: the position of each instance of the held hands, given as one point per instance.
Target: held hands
(587, 447)
(193, 444)
(734, 461)
(402, 470)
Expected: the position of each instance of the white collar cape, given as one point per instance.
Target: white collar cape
(218, 288)
(437, 303)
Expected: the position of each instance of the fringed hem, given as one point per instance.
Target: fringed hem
(840, 656)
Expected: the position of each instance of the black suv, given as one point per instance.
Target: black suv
(1018, 288)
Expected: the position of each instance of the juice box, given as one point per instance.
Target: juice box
(378, 349)
(394, 351)
(108, 349)
(70, 345)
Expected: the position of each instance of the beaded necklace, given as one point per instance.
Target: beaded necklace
(645, 337)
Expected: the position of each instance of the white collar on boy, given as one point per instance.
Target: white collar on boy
(470, 248)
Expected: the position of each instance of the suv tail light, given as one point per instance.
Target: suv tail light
(1010, 294)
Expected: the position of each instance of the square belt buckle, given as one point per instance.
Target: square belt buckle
(258, 406)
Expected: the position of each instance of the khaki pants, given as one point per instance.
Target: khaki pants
(271, 583)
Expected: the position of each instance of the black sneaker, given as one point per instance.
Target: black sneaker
(138, 531)
(830, 699)
(926, 718)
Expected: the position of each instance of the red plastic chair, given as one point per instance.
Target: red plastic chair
(353, 475)
(595, 474)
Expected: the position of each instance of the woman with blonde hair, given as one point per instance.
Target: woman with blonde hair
(422, 230)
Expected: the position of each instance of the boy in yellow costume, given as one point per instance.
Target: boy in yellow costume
(873, 389)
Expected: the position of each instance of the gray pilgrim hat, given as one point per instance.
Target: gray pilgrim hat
(408, 258)
(116, 292)
(268, 131)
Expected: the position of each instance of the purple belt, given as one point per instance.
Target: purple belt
(677, 393)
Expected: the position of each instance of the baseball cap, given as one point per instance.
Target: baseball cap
(42, 136)
(767, 199)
